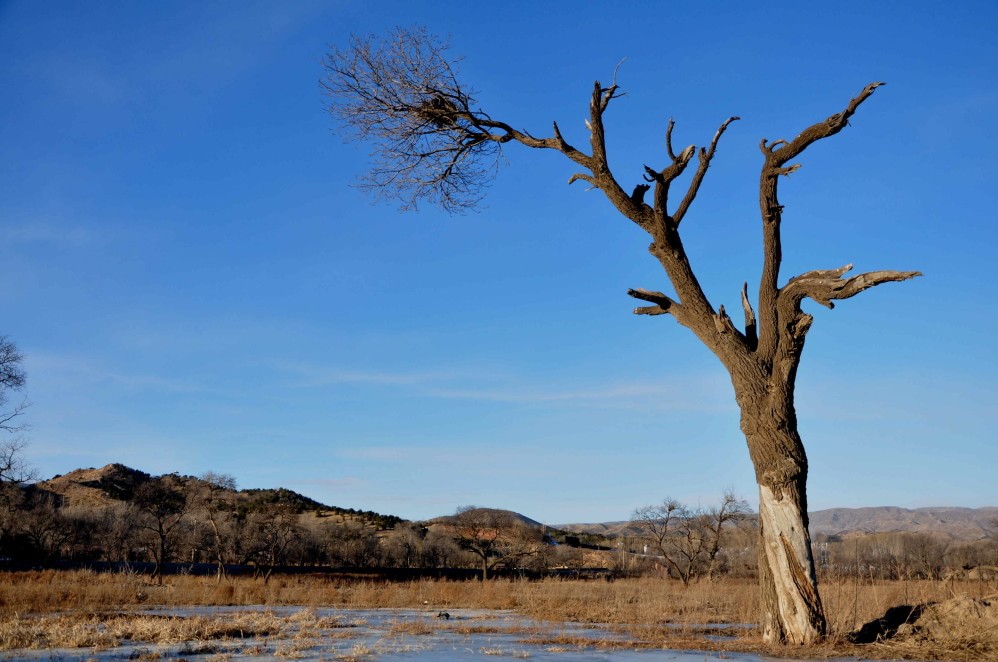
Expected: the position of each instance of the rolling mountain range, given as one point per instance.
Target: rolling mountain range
(953, 523)
(116, 482)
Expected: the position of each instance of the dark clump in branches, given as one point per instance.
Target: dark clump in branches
(403, 96)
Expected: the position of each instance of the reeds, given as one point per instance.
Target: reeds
(650, 610)
(649, 601)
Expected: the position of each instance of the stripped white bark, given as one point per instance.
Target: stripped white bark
(787, 547)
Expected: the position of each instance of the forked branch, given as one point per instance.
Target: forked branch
(777, 154)
(826, 286)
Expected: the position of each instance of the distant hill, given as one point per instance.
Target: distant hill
(954, 523)
(586, 540)
(514, 516)
(87, 488)
(116, 483)
(608, 529)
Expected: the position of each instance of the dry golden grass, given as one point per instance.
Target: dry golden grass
(647, 612)
(108, 631)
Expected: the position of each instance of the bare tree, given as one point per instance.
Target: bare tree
(211, 499)
(351, 544)
(404, 546)
(433, 143)
(496, 537)
(47, 529)
(658, 526)
(12, 378)
(163, 502)
(716, 518)
(688, 541)
(113, 529)
(274, 530)
(14, 471)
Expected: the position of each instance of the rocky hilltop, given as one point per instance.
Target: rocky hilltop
(116, 483)
(89, 488)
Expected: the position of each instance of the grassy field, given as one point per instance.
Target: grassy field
(651, 612)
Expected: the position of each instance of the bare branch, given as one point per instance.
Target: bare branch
(789, 170)
(668, 139)
(777, 154)
(816, 132)
(750, 328)
(431, 142)
(615, 69)
(12, 378)
(638, 194)
(723, 323)
(404, 96)
(13, 468)
(657, 298)
(705, 157)
(583, 177)
(825, 286)
(11, 373)
(663, 181)
(650, 310)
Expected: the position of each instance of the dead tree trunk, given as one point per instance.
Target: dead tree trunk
(431, 144)
(791, 606)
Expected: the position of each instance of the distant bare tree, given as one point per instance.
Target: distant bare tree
(689, 541)
(274, 531)
(677, 534)
(731, 510)
(114, 529)
(439, 549)
(211, 500)
(404, 546)
(431, 141)
(496, 537)
(12, 378)
(162, 502)
(351, 544)
(14, 471)
(13, 468)
(46, 530)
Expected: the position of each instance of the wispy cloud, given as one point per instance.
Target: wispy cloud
(311, 376)
(47, 232)
(70, 372)
(384, 453)
(693, 393)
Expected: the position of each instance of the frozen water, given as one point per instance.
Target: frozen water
(394, 634)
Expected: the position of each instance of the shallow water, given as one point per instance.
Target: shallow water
(393, 634)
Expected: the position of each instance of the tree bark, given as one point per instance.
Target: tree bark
(790, 604)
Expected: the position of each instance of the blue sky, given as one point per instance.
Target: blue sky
(197, 286)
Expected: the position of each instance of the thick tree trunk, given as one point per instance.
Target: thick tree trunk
(791, 607)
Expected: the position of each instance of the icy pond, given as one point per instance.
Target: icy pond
(388, 634)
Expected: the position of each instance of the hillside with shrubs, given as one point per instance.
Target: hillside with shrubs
(117, 516)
